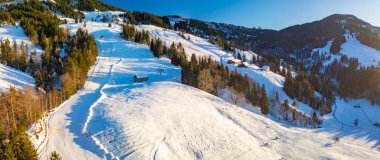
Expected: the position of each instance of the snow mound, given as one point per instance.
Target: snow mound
(13, 77)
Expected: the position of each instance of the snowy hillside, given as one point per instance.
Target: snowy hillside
(202, 48)
(113, 117)
(13, 77)
(16, 34)
(186, 123)
(199, 46)
(367, 56)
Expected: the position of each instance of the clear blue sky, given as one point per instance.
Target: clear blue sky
(271, 14)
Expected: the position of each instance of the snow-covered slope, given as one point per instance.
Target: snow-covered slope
(202, 48)
(16, 34)
(114, 118)
(199, 46)
(186, 123)
(113, 72)
(366, 56)
(13, 77)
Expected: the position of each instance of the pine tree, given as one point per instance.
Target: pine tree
(315, 118)
(289, 85)
(239, 56)
(55, 156)
(22, 61)
(264, 102)
(286, 110)
(277, 97)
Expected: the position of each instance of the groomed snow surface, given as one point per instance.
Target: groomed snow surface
(114, 118)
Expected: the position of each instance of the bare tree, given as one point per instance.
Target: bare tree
(235, 96)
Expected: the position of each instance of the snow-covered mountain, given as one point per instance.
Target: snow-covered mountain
(299, 38)
(113, 117)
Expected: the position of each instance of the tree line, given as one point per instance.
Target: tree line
(138, 17)
(130, 33)
(303, 86)
(354, 81)
(14, 55)
(213, 77)
(291, 114)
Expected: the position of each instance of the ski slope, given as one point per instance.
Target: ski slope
(186, 123)
(13, 77)
(366, 56)
(114, 118)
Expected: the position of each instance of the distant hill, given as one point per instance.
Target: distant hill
(293, 39)
(316, 34)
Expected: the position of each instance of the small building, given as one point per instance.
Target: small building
(356, 106)
(265, 68)
(244, 64)
(140, 78)
(234, 61)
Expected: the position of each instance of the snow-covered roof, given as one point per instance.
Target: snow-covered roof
(141, 75)
(235, 60)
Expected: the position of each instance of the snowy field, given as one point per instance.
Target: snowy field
(114, 118)
(16, 34)
(366, 56)
(13, 77)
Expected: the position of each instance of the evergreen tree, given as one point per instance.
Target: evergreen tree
(315, 118)
(239, 56)
(286, 108)
(264, 102)
(55, 156)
